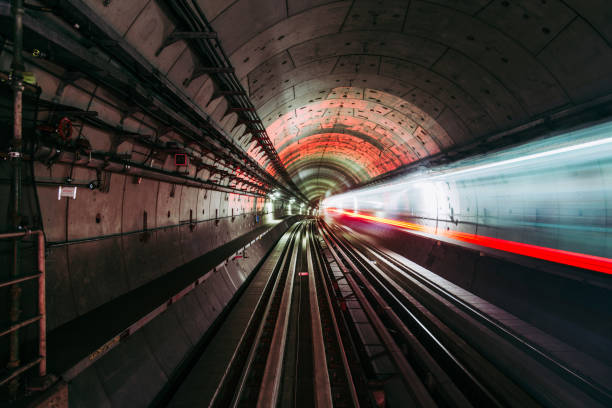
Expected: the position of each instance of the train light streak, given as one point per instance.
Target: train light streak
(547, 199)
(585, 261)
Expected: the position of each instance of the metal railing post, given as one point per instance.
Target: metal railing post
(42, 311)
(15, 154)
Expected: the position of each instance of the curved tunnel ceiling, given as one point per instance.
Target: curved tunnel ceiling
(349, 90)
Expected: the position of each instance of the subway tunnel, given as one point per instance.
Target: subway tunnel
(306, 203)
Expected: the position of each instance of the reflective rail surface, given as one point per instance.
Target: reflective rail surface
(460, 357)
(290, 352)
(330, 320)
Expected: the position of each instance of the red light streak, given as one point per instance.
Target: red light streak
(591, 262)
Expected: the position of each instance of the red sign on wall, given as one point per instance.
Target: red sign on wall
(180, 159)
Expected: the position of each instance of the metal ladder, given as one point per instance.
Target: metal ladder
(14, 366)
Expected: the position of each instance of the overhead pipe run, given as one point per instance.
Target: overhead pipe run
(197, 157)
(108, 162)
(192, 122)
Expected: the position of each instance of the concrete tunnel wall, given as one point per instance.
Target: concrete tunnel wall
(84, 275)
(94, 256)
(136, 371)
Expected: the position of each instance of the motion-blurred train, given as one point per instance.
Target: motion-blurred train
(552, 195)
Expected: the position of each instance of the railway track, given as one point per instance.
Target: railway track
(333, 321)
(445, 353)
(288, 355)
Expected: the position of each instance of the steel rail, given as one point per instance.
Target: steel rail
(268, 314)
(20, 279)
(323, 397)
(581, 381)
(440, 384)
(413, 383)
(493, 360)
(448, 347)
(270, 383)
(369, 378)
(327, 299)
(239, 364)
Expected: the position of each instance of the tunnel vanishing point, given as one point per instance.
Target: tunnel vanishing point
(305, 203)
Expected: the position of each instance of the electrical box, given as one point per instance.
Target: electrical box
(66, 191)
